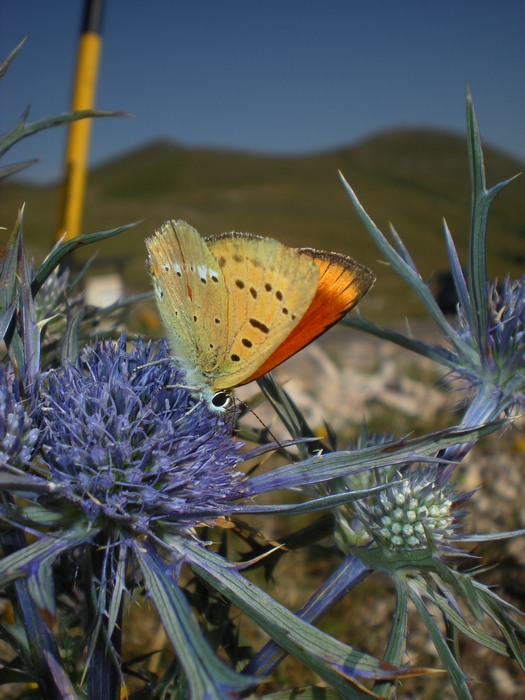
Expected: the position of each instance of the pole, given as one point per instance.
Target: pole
(88, 58)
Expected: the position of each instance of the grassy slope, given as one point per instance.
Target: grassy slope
(412, 178)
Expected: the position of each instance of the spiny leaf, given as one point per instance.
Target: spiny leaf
(7, 62)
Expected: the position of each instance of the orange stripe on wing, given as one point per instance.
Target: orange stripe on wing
(342, 283)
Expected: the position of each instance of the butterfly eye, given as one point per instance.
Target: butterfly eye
(222, 400)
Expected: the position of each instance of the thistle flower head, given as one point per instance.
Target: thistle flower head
(417, 509)
(129, 446)
(419, 512)
(503, 359)
(18, 436)
(404, 516)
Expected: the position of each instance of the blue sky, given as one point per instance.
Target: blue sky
(272, 76)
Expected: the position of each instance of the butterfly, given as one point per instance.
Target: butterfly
(236, 305)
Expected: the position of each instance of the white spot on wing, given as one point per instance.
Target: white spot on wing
(203, 271)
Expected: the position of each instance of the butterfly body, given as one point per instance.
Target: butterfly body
(234, 306)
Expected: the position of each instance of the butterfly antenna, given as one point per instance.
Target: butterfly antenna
(261, 422)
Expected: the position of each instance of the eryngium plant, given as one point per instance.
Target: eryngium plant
(412, 528)
(118, 484)
(112, 472)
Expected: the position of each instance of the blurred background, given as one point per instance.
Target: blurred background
(243, 112)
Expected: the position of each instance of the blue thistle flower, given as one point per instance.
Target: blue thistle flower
(127, 444)
(502, 364)
(18, 436)
(144, 462)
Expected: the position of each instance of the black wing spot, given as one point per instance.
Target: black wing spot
(235, 358)
(239, 284)
(268, 287)
(247, 343)
(279, 295)
(253, 292)
(259, 325)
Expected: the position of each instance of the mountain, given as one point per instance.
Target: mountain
(410, 178)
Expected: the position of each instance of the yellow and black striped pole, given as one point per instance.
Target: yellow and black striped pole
(88, 58)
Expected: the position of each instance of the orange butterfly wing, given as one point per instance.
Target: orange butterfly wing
(342, 283)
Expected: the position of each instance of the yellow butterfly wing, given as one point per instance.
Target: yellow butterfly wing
(269, 289)
(191, 298)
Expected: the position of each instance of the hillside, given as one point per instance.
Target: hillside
(412, 178)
